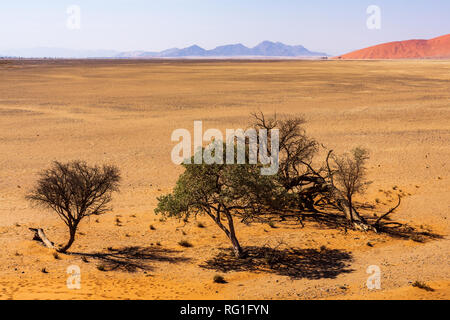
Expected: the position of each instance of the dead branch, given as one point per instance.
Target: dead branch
(39, 235)
(377, 223)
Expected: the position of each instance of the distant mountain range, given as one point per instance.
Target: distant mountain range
(437, 48)
(264, 49)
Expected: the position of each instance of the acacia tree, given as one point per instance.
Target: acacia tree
(74, 191)
(311, 184)
(225, 191)
(222, 192)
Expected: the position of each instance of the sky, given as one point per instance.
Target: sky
(331, 26)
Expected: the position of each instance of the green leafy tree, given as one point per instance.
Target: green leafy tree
(222, 192)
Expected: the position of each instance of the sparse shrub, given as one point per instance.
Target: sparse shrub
(152, 227)
(201, 225)
(272, 225)
(423, 286)
(44, 270)
(56, 256)
(219, 279)
(101, 267)
(74, 191)
(185, 243)
(84, 259)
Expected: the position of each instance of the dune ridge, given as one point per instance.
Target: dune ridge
(438, 48)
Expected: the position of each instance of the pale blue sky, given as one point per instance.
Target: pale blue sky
(331, 26)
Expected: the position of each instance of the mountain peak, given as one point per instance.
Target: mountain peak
(195, 47)
(265, 42)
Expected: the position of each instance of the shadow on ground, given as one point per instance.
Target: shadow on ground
(331, 220)
(131, 259)
(294, 263)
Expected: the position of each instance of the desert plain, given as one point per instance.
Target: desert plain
(123, 112)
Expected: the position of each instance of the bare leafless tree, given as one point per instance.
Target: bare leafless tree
(347, 174)
(74, 191)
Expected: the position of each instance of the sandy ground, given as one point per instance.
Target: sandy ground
(123, 112)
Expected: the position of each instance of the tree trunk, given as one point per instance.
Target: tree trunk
(352, 215)
(347, 212)
(238, 252)
(358, 222)
(69, 243)
(230, 232)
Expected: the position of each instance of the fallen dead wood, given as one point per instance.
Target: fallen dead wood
(39, 235)
(384, 216)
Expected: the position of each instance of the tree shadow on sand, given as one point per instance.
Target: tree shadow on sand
(332, 220)
(131, 259)
(294, 263)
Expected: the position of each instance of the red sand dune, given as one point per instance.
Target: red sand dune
(410, 49)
